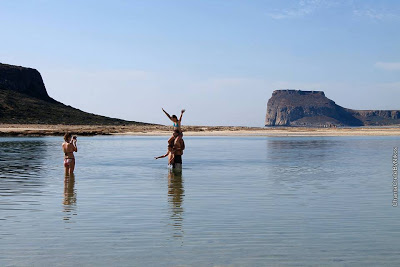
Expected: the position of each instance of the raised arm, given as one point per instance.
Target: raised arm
(166, 113)
(73, 143)
(180, 118)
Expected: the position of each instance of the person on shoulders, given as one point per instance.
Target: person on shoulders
(177, 122)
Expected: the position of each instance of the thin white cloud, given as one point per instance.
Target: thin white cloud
(125, 75)
(392, 66)
(301, 9)
(393, 86)
(305, 8)
(375, 14)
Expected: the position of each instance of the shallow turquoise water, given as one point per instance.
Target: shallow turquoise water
(255, 201)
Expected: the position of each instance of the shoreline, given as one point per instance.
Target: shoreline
(8, 130)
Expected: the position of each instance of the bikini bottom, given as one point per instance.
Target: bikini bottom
(67, 162)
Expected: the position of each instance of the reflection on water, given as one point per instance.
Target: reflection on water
(289, 151)
(175, 198)
(21, 160)
(303, 159)
(254, 201)
(21, 167)
(69, 197)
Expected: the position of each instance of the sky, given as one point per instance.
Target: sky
(220, 60)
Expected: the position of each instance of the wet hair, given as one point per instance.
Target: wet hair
(174, 116)
(67, 136)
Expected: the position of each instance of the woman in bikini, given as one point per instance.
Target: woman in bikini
(171, 142)
(174, 119)
(69, 147)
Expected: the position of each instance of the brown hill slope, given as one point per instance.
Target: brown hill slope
(24, 100)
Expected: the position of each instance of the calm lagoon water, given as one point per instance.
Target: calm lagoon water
(239, 201)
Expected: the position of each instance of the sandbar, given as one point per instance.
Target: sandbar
(157, 130)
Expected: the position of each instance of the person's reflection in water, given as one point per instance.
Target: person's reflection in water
(175, 198)
(69, 197)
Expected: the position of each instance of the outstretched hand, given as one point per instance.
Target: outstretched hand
(183, 111)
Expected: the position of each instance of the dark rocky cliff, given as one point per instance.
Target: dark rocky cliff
(24, 99)
(23, 80)
(314, 109)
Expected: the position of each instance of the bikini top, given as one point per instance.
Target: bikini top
(176, 124)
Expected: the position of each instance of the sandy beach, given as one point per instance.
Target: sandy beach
(149, 130)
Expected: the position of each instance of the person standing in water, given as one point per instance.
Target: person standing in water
(69, 147)
(169, 153)
(175, 156)
(176, 145)
(174, 119)
(177, 150)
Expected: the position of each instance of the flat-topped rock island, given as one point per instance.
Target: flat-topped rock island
(314, 109)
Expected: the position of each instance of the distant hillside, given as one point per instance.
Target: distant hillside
(24, 100)
(314, 109)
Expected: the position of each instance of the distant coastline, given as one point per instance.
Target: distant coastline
(26, 109)
(157, 130)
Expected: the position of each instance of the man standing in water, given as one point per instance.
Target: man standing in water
(169, 153)
(179, 146)
(176, 145)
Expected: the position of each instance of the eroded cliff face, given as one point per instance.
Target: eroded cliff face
(314, 109)
(23, 80)
(24, 99)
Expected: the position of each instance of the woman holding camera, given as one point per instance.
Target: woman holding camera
(69, 147)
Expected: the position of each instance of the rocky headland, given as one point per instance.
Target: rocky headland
(24, 100)
(314, 109)
(26, 109)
